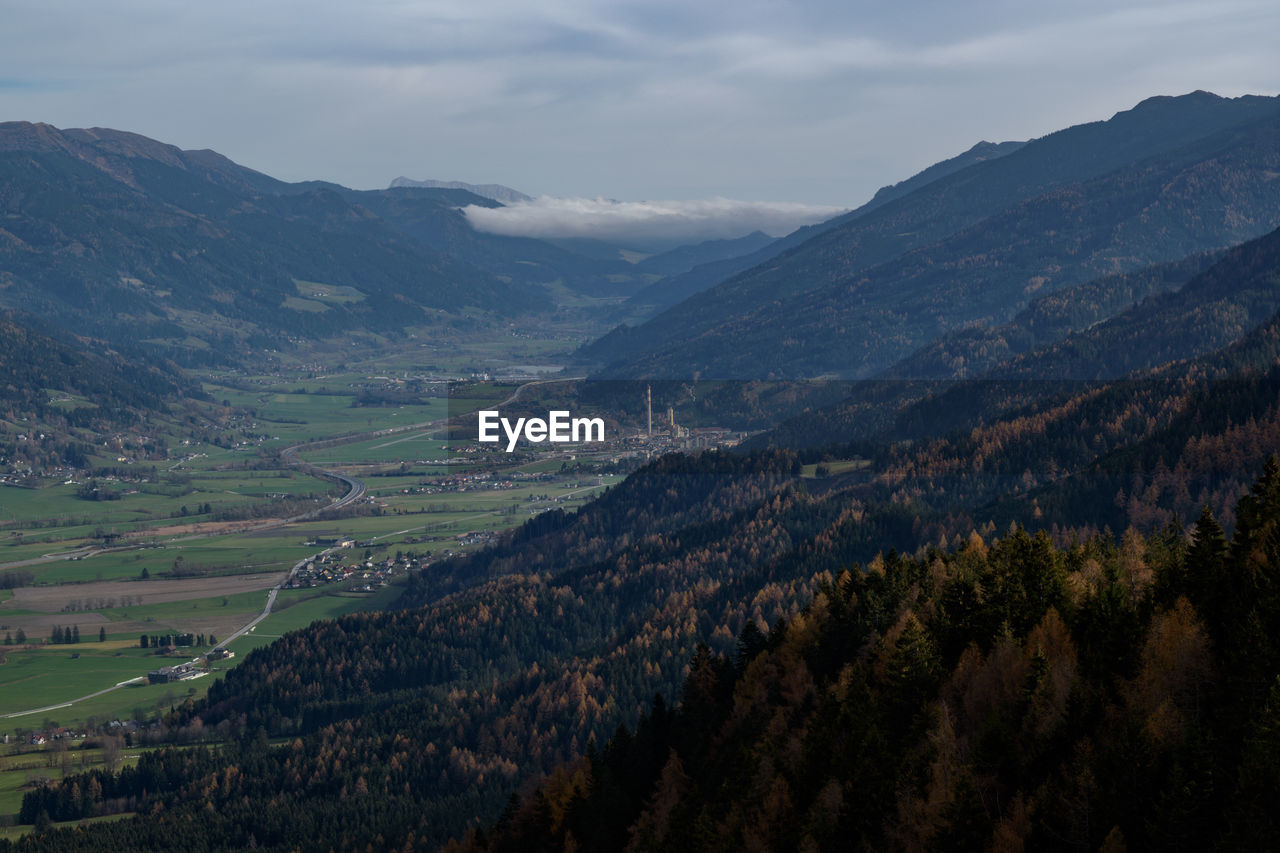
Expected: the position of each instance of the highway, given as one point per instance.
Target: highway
(355, 490)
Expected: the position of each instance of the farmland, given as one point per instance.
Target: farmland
(191, 543)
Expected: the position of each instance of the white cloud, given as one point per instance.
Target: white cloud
(645, 221)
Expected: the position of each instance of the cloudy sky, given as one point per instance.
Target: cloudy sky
(803, 101)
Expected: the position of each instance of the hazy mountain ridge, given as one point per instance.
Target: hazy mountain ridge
(432, 218)
(957, 219)
(979, 153)
(676, 288)
(968, 353)
(1220, 298)
(684, 258)
(493, 192)
(113, 151)
(119, 236)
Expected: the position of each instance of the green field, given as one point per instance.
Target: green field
(289, 418)
(413, 447)
(326, 606)
(835, 466)
(334, 294)
(233, 481)
(12, 833)
(231, 554)
(46, 676)
(55, 519)
(168, 616)
(51, 675)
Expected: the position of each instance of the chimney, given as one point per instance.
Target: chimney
(648, 401)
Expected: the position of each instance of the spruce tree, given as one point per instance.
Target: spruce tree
(1206, 562)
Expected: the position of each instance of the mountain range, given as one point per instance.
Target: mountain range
(494, 192)
(115, 235)
(523, 659)
(1168, 178)
(1016, 588)
(121, 237)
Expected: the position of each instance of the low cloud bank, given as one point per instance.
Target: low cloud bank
(645, 221)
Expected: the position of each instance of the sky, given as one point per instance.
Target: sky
(755, 101)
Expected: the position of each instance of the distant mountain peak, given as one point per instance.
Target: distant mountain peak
(979, 153)
(1199, 98)
(1197, 95)
(115, 152)
(497, 192)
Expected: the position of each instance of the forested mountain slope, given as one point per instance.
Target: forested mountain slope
(433, 219)
(1007, 695)
(677, 287)
(1176, 311)
(407, 727)
(125, 238)
(1166, 179)
(971, 352)
(57, 395)
(34, 364)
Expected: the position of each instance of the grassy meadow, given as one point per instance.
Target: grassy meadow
(192, 542)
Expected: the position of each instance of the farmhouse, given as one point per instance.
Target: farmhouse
(167, 674)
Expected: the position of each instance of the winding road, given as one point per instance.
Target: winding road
(355, 490)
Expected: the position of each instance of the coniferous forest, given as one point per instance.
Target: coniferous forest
(1007, 694)
(999, 571)
(1002, 696)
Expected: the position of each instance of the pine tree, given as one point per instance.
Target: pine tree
(1206, 561)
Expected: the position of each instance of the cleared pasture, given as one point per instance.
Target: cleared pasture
(53, 599)
(227, 569)
(39, 677)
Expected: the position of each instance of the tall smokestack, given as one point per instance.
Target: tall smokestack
(648, 402)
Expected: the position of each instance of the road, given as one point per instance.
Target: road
(266, 611)
(102, 692)
(355, 490)
(274, 591)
